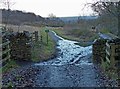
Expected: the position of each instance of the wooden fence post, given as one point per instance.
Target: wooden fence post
(36, 35)
(41, 38)
(47, 35)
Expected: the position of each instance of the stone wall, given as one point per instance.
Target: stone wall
(20, 45)
(99, 52)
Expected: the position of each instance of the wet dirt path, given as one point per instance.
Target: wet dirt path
(73, 67)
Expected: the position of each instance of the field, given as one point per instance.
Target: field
(61, 32)
(84, 39)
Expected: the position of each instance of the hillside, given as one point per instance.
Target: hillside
(75, 18)
(17, 17)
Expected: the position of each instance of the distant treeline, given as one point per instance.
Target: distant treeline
(17, 17)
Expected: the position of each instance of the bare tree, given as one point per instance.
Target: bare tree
(7, 4)
(51, 15)
(111, 8)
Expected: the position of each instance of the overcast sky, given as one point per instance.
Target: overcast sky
(60, 8)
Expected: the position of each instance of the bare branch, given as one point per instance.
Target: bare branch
(108, 7)
(7, 3)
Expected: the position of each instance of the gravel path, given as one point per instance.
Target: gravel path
(72, 67)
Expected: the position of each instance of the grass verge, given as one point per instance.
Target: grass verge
(41, 50)
(10, 65)
(112, 73)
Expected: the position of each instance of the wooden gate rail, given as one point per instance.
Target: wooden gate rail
(5, 54)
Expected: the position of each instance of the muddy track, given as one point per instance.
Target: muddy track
(72, 67)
